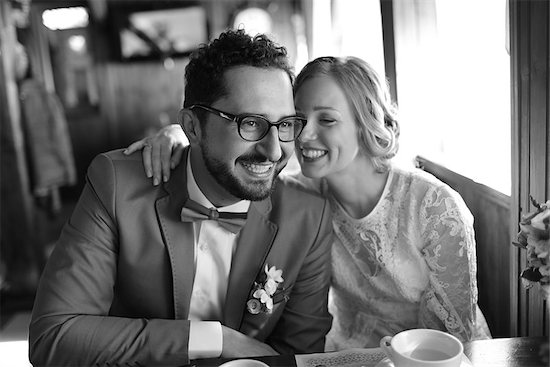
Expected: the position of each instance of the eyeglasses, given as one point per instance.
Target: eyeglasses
(256, 127)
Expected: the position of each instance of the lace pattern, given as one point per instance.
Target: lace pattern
(410, 263)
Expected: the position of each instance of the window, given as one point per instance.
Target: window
(347, 28)
(65, 18)
(453, 84)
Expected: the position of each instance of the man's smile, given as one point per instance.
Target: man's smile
(258, 169)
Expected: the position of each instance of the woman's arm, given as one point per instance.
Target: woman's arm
(450, 301)
(161, 152)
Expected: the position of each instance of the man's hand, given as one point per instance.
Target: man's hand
(238, 345)
(161, 152)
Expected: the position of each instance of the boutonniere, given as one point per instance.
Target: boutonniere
(261, 298)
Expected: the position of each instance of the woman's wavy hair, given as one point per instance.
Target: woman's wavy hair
(204, 75)
(368, 96)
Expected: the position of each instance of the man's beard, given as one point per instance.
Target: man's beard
(254, 191)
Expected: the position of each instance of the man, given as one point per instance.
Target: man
(151, 275)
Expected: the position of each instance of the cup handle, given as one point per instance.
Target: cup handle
(385, 344)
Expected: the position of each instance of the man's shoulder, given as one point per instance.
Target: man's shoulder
(117, 155)
(294, 186)
(115, 165)
(294, 196)
(115, 158)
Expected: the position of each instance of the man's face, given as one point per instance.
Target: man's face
(244, 169)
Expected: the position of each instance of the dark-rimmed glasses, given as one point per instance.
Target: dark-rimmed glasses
(256, 127)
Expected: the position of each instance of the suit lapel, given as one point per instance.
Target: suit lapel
(254, 243)
(179, 238)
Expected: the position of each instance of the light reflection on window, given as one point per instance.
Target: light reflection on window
(253, 20)
(77, 43)
(65, 18)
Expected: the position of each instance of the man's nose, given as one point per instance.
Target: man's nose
(270, 146)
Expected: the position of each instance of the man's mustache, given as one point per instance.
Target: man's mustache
(258, 158)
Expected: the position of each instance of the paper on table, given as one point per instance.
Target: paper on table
(357, 357)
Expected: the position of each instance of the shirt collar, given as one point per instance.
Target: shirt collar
(197, 195)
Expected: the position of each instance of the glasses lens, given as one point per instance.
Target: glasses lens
(290, 129)
(253, 128)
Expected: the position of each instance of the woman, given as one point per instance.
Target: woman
(404, 253)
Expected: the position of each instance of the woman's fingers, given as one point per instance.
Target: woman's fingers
(157, 164)
(134, 147)
(176, 156)
(161, 152)
(165, 154)
(146, 155)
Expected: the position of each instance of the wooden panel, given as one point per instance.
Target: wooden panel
(537, 162)
(491, 211)
(17, 245)
(386, 8)
(520, 177)
(530, 43)
(138, 96)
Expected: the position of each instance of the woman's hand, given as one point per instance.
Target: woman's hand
(161, 152)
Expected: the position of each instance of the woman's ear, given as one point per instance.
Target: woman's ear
(190, 125)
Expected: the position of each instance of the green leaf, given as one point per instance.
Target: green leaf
(533, 274)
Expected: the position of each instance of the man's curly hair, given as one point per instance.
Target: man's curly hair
(204, 75)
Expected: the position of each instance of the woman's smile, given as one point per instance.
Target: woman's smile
(312, 154)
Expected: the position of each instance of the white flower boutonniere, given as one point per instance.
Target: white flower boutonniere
(261, 299)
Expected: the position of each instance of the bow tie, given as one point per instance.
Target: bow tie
(193, 211)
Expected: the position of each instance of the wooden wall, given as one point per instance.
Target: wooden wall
(530, 67)
(20, 256)
(491, 211)
(137, 96)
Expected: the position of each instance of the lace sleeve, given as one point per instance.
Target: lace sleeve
(450, 301)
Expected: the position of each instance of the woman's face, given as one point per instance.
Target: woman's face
(329, 143)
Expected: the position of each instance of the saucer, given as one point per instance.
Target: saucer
(386, 362)
(244, 363)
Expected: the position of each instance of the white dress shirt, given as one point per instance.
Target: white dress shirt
(214, 248)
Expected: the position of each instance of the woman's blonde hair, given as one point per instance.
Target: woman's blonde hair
(368, 96)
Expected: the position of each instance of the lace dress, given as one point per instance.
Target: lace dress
(410, 263)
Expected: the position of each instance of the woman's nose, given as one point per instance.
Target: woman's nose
(309, 132)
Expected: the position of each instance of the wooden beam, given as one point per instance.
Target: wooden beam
(530, 46)
(386, 8)
(17, 205)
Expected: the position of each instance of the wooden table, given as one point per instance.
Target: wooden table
(507, 352)
(499, 352)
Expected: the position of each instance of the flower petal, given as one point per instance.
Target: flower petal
(258, 293)
(270, 286)
(253, 306)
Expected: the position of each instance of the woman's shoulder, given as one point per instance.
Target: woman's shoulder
(427, 190)
(420, 182)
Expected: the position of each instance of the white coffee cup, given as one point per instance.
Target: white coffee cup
(423, 347)
(244, 363)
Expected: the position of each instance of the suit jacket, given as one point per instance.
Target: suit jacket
(117, 287)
